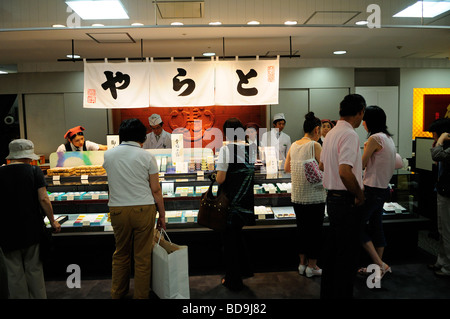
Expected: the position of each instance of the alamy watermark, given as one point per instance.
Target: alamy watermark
(74, 279)
(374, 279)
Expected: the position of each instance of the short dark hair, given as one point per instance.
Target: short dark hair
(375, 119)
(235, 124)
(351, 105)
(440, 126)
(132, 130)
(311, 122)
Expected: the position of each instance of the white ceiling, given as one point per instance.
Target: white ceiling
(24, 39)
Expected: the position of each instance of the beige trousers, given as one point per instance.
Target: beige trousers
(133, 232)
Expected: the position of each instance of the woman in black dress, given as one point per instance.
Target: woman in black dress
(235, 175)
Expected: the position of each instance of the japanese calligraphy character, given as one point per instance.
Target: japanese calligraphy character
(111, 81)
(243, 79)
(177, 84)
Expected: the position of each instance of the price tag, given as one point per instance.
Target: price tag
(181, 167)
(56, 180)
(70, 197)
(95, 196)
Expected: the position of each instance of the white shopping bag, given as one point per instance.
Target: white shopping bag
(170, 273)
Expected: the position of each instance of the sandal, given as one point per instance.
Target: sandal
(363, 271)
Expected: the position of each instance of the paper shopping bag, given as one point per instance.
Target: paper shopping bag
(170, 273)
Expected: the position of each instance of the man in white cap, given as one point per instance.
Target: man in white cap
(158, 137)
(277, 138)
(22, 193)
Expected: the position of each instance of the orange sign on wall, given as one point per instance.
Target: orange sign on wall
(429, 104)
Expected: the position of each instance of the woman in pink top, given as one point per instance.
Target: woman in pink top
(379, 162)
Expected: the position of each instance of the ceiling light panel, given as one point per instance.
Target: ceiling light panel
(425, 9)
(98, 10)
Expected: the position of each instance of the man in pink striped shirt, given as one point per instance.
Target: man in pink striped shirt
(342, 166)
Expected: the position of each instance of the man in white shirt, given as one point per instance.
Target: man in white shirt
(158, 137)
(341, 162)
(277, 138)
(134, 198)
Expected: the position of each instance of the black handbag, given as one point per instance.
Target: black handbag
(213, 210)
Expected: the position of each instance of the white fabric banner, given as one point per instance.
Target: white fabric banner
(172, 84)
(116, 85)
(181, 84)
(253, 82)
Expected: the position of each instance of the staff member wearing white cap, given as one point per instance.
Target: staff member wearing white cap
(277, 138)
(23, 193)
(158, 138)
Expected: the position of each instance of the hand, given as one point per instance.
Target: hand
(56, 226)
(359, 200)
(161, 223)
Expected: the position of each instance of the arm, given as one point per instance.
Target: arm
(47, 207)
(370, 147)
(157, 195)
(317, 151)
(287, 163)
(350, 182)
(221, 176)
(102, 147)
(438, 153)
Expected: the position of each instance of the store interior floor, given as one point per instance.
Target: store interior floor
(410, 279)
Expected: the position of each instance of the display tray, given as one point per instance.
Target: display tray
(187, 219)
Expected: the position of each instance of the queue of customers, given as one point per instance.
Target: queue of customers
(353, 189)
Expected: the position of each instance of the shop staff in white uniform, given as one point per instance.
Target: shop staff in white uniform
(76, 142)
(158, 138)
(280, 140)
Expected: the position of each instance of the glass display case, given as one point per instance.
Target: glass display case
(84, 199)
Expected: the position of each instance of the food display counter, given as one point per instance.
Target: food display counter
(87, 234)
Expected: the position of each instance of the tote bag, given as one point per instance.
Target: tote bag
(170, 269)
(312, 172)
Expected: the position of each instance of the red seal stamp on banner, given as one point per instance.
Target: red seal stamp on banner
(91, 96)
(271, 73)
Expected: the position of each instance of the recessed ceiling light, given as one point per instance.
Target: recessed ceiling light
(253, 22)
(58, 26)
(98, 10)
(209, 54)
(75, 56)
(3, 72)
(176, 23)
(426, 9)
(98, 25)
(215, 23)
(362, 22)
(290, 22)
(137, 24)
(340, 52)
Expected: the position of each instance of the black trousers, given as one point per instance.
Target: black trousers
(235, 251)
(309, 219)
(342, 246)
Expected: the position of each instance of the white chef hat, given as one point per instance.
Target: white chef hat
(279, 116)
(154, 119)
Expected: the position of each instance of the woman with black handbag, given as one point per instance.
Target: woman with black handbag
(441, 154)
(235, 176)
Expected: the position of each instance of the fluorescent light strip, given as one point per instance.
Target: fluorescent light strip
(98, 10)
(426, 9)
